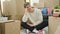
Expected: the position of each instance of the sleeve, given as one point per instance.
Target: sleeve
(25, 17)
(40, 17)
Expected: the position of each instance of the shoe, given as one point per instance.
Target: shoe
(41, 32)
(28, 32)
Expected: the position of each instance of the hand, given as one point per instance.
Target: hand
(30, 24)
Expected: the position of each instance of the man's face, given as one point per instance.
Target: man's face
(29, 8)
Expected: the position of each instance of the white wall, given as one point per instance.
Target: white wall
(45, 3)
(13, 8)
(33, 1)
(51, 3)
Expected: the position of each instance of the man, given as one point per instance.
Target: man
(33, 19)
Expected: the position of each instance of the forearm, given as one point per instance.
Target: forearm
(30, 24)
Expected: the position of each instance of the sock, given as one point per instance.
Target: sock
(35, 31)
(28, 31)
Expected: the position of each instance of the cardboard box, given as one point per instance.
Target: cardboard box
(10, 27)
(54, 22)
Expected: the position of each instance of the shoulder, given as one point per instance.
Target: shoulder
(38, 10)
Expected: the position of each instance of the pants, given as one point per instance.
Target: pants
(38, 27)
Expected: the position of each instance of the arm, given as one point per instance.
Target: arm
(25, 17)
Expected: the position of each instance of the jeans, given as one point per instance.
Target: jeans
(38, 27)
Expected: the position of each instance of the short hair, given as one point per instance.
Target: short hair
(26, 4)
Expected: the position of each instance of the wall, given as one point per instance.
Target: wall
(19, 9)
(46, 3)
(41, 3)
(13, 8)
(51, 3)
(59, 2)
(33, 1)
(0, 4)
(0, 8)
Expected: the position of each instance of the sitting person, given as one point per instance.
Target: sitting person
(33, 19)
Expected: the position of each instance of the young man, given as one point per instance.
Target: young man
(33, 19)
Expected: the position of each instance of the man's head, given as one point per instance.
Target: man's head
(28, 7)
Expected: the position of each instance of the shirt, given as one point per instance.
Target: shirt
(35, 17)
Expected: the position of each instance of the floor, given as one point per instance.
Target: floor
(23, 31)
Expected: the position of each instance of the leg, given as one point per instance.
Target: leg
(42, 25)
(26, 26)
